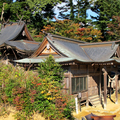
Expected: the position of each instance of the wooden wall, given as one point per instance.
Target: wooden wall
(93, 73)
(93, 85)
(82, 71)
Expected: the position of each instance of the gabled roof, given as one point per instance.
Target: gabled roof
(18, 37)
(70, 50)
(55, 41)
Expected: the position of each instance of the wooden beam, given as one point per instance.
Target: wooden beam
(105, 89)
(116, 89)
(108, 63)
(100, 83)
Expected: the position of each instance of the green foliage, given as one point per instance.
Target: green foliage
(25, 9)
(81, 11)
(51, 74)
(70, 29)
(78, 11)
(64, 8)
(38, 5)
(114, 28)
(105, 10)
(51, 70)
(15, 11)
(35, 15)
(29, 92)
(36, 24)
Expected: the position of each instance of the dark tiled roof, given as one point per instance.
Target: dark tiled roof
(83, 52)
(23, 45)
(10, 31)
(87, 52)
(9, 34)
(100, 53)
(71, 50)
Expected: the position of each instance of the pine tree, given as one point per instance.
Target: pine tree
(114, 28)
(66, 10)
(38, 5)
(77, 12)
(105, 9)
(51, 70)
(81, 10)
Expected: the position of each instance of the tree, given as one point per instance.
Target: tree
(105, 10)
(51, 75)
(70, 29)
(51, 70)
(15, 10)
(2, 7)
(114, 28)
(28, 8)
(31, 94)
(38, 5)
(34, 18)
(81, 10)
(66, 10)
(75, 11)
(89, 34)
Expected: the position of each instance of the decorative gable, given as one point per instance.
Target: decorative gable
(48, 50)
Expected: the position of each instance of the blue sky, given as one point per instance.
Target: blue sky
(89, 12)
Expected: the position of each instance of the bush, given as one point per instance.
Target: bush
(29, 92)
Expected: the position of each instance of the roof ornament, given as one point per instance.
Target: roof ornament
(20, 19)
(48, 46)
(23, 33)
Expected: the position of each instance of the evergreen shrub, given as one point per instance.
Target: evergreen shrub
(29, 92)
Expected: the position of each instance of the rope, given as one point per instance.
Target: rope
(111, 79)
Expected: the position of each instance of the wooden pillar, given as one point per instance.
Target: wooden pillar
(100, 84)
(110, 90)
(116, 89)
(87, 101)
(70, 81)
(105, 89)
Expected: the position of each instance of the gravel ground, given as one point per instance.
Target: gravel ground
(111, 109)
